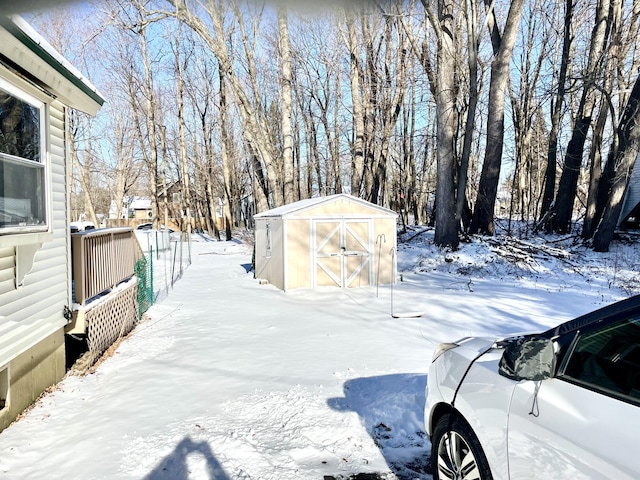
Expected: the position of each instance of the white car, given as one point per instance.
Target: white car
(563, 404)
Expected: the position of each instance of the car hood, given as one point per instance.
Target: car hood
(452, 365)
(449, 370)
(473, 346)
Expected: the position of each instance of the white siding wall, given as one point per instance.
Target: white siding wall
(7, 269)
(34, 311)
(632, 197)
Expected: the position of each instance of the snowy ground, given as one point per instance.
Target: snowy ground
(230, 379)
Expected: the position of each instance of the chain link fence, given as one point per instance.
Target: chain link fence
(164, 262)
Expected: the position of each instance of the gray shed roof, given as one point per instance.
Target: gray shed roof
(309, 203)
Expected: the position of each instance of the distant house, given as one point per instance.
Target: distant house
(37, 85)
(132, 207)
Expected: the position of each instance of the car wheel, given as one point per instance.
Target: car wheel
(456, 453)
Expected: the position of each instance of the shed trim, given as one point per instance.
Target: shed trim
(309, 203)
(357, 216)
(285, 257)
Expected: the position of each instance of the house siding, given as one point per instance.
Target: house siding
(632, 196)
(7, 269)
(31, 315)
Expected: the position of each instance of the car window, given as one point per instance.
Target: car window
(607, 359)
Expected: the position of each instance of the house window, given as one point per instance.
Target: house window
(23, 203)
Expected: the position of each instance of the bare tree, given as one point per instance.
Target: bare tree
(133, 21)
(568, 185)
(622, 158)
(318, 97)
(358, 141)
(255, 116)
(527, 99)
(483, 214)
(231, 199)
(184, 167)
(623, 39)
(287, 106)
(446, 234)
(82, 136)
(556, 112)
(473, 40)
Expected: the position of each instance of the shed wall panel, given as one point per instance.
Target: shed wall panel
(260, 257)
(385, 249)
(269, 251)
(298, 233)
(277, 253)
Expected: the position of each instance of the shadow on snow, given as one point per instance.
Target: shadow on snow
(188, 455)
(391, 409)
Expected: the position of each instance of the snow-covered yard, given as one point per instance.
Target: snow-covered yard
(231, 379)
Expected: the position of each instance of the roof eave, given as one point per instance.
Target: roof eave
(24, 47)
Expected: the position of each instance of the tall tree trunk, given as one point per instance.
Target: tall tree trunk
(370, 95)
(150, 120)
(357, 155)
(446, 231)
(525, 108)
(165, 190)
(255, 129)
(621, 161)
(488, 187)
(595, 173)
(389, 108)
(568, 185)
(83, 169)
(229, 183)
(184, 167)
(556, 111)
(335, 145)
(469, 127)
(286, 106)
(598, 197)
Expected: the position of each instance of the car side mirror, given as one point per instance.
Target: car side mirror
(528, 358)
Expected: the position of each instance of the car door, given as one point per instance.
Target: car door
(584, 424)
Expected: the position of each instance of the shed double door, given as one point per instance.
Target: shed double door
(342, 252)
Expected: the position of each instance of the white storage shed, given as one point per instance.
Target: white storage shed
(338, 240)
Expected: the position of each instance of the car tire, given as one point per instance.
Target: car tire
(456, 452)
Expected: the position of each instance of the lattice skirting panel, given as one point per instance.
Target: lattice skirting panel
(111, 320)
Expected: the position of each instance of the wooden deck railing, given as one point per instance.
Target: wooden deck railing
(101, 260)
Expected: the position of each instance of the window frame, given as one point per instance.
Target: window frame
(578, 335)
(43, 163)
